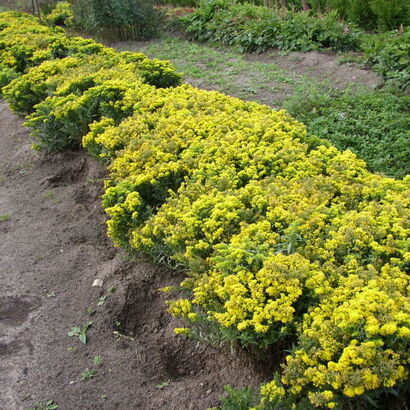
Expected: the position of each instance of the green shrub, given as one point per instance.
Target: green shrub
(6, 75)
(179, 3)
(389, 54)
(374, 126)
(60, 121)
(369, 14)
(390, 14)
(118, 19)
(61, 15)
(254, 28)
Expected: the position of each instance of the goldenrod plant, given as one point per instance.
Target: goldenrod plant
(289, 245)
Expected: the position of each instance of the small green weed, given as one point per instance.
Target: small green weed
(163, 384)
(81, 331)
(241, 399)
(98, 361)
(88, 374)
(47, 405)
(91, 310)
(4, 218)
(48, 294)
(101, 301)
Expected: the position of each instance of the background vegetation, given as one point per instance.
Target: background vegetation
(368, 14)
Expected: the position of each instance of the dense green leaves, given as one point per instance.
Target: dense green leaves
(253, 28)
(374, 126)
(118, 19)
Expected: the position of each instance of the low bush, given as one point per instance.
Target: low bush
(375, 126)
(63, 95)
(83, 71)
(61, 15)
(254, 28)
(389, 54)
(61, 120)
(25, 43)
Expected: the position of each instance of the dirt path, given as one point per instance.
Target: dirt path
(52, 247)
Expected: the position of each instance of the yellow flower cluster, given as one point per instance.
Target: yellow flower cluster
(65, 83)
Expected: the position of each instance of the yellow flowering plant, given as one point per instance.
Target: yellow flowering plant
(289, 245)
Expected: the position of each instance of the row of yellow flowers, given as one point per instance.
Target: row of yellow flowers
(287, 242)
(284, 238)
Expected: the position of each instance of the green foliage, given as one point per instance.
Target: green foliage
(253, 28)
(118, 19)
(81, 331)
(372, 14)
(6, 75)
(178, 3)
(374, 126)
(390, 14)
(61, 15)
(60, 121)
(238, 399)
(389, 54)
(368, 14)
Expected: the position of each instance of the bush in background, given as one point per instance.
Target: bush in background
(118, 19)
(254, 28)
(60, 15)
(389, 54)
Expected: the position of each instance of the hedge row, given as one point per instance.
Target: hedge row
(289, 245)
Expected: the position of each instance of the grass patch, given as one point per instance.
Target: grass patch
(222, 69)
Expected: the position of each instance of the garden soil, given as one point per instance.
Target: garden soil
(53, 247)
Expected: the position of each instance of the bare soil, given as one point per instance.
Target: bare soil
(53, 245)
(320, 66)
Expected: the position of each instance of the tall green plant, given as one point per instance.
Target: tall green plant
(118, 19)
(391, 13)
